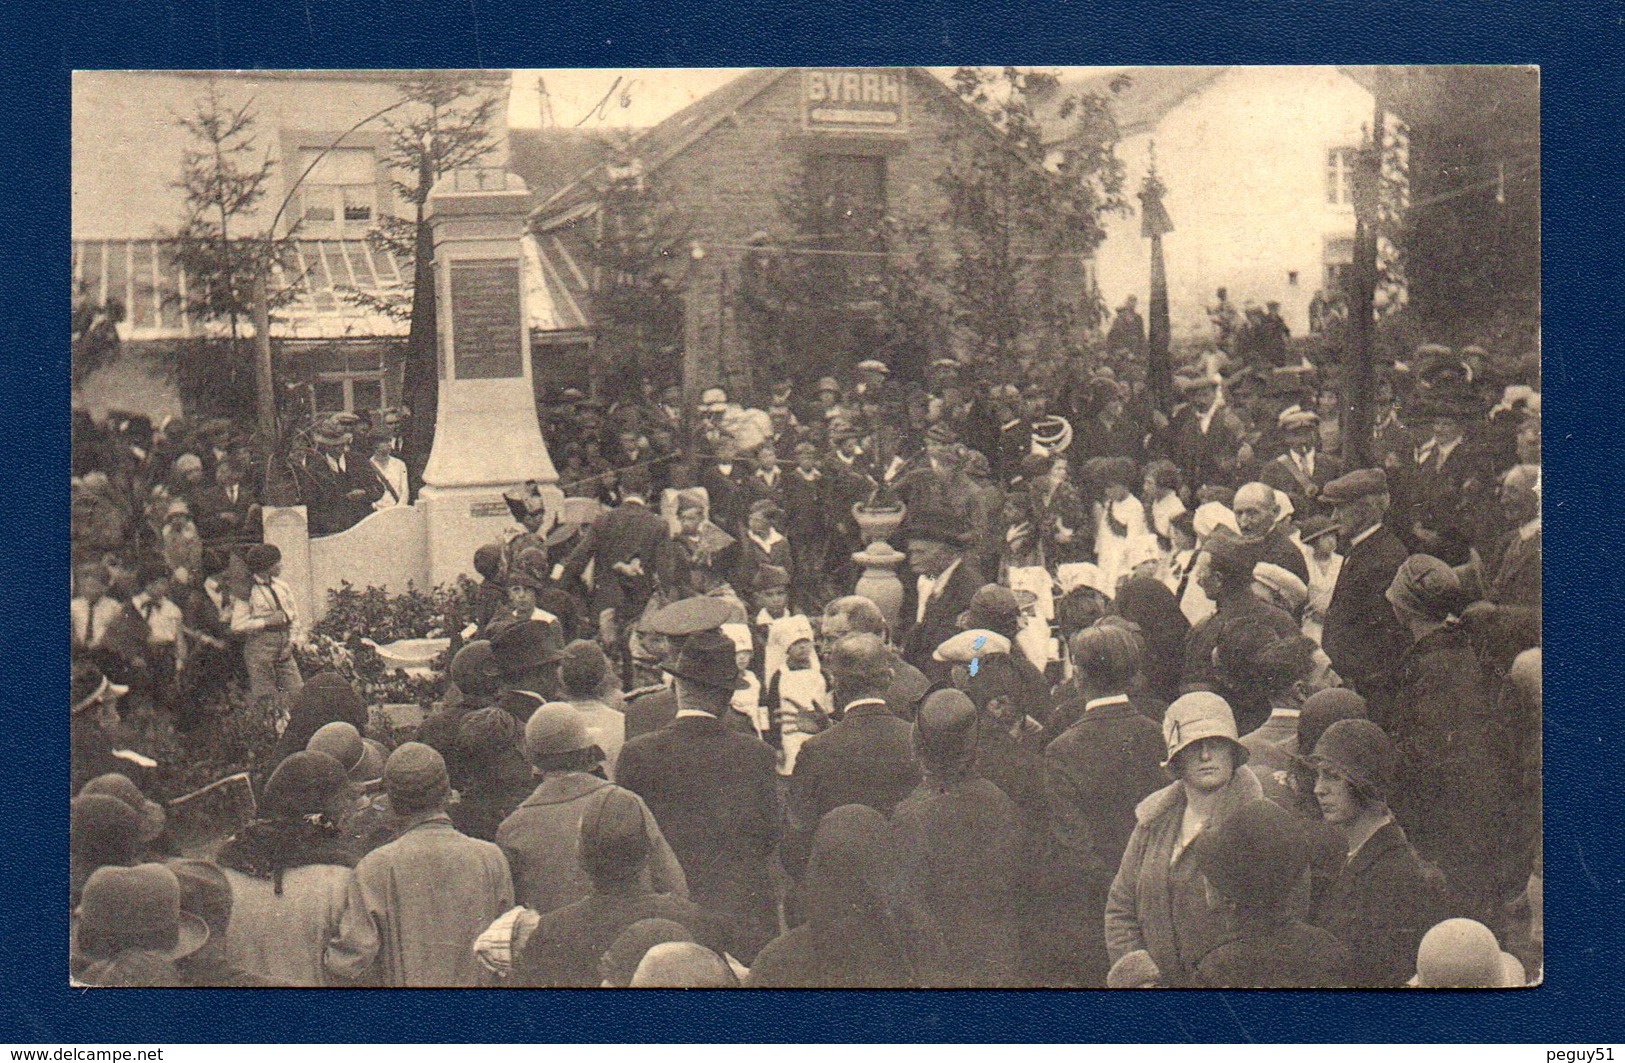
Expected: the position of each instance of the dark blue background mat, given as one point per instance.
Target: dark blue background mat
(1578, 51)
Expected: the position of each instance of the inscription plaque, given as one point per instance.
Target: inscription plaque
(486, 319)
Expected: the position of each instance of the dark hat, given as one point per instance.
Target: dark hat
(1256, 856)
(767, 507)
(934, 527)
(342, 741)
(1324, 708)
(945, 726)
(688, 617)
(103, 830)
(260, 557)
(1315, 527)
(941, 433)
(304, 784)
(120, 786)
(1363, 753)
(474, 669)
(488, 560)
(415, 777)
(1229, 554)
(992, 607)
(614, 836)
(88, 687)
(518, 648)
(1355, 485)
(140, 901)
(1425, 586)
(707, 659)
(769, 576)
(556, 728)
(621, 960)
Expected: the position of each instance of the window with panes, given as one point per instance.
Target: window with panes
(338, 198)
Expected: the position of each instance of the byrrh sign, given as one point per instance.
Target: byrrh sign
(855, 98)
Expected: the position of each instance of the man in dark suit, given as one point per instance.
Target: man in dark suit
(727, 489)
(625, 546)
(1444, 487)
(855, 614)
(1302, 472)
(713, 791)
(340, 487)
(1361, 636)
(665, 631)
(525, 657)
(865, 759)
(227, 512)
(1258, 515)
(946, 581)
(1203, 433)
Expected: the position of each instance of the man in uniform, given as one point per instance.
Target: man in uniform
(666, 631)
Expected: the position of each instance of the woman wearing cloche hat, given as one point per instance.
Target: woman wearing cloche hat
(1158, 901)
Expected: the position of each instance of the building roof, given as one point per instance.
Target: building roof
(334, 279)
(1144, 97)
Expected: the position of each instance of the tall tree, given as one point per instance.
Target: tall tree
(446, 122)
(222, 249)
(1024, 210)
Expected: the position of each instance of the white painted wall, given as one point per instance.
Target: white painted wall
(1244, 163)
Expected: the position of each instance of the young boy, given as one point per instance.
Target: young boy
(91, 610)
(165, 651)
(271, 626)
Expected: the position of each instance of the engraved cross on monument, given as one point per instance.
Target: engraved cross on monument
(487, 437)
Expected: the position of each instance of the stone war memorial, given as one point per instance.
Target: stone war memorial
(487, 437)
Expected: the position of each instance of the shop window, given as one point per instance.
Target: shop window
(338, 198)
(848, 196)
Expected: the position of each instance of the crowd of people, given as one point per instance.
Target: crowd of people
(1160, 698)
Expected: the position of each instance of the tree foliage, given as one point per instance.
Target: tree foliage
(1024, 208)
(640, 251)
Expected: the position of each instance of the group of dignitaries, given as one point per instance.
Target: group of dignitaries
(1216, 709)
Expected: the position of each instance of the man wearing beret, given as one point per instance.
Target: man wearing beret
(1361, 635)
(945, 582)
(417, 904)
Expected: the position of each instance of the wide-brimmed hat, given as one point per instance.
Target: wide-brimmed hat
(520, 647)
(120, 787)
(139, 902)
(1195, 716)
(707, 658)
(88, 687)
(687, 617)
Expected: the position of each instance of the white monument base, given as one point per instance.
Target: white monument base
(460, 520)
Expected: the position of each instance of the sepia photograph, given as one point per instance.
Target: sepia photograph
(826, 527)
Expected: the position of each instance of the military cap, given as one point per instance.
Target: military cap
(1355, 485)
(687, 617)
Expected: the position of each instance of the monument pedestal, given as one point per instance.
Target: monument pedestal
(487, 437)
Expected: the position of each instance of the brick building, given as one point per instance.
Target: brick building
(779, 166)
(127, 155)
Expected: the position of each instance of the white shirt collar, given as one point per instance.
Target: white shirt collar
(694, 712)
(1286, 714)
(1101, 703)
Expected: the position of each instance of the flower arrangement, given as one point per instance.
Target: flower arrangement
(337, 641)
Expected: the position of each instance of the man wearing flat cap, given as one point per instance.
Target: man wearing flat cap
(417, 904)
(1361, 636)
(944, 584)
(713, 791)
(1303, 471)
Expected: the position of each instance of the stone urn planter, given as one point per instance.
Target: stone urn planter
(413, 656)
(879, 582)
(876, 523)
